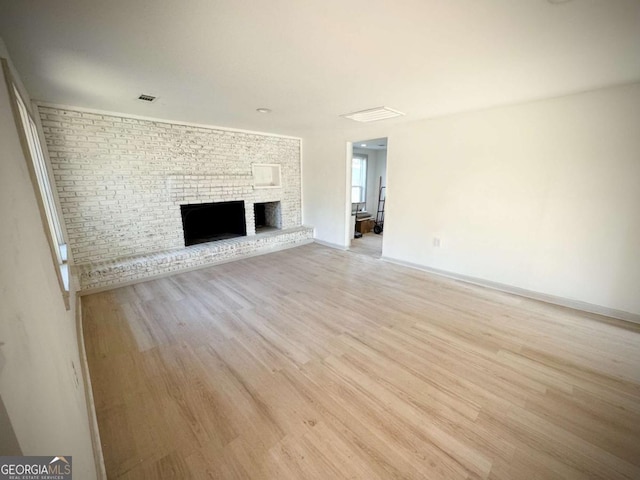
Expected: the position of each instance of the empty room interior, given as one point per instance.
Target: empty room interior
(321, 240)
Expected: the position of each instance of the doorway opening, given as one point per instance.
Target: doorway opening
(368, 196)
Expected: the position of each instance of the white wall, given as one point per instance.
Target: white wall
(326, 195)
(40, 381)
(542, 196)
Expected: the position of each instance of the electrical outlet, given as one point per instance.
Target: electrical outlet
(436, 242)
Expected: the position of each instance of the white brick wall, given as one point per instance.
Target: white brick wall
(121, 181)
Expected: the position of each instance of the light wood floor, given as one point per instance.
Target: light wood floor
(314, 363)
(369, 244)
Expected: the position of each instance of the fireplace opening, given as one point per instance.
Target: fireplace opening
(267, 216)
(209, 222)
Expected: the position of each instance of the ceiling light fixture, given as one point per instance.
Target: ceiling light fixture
(263, 110)
(373, 114)
(363, 144)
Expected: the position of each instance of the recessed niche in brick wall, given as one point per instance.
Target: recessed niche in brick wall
(121, 181)
(266, 176)
(267, 216)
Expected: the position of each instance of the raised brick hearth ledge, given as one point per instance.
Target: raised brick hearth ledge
(122, 271)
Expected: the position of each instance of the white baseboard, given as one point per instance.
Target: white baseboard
(330, 245)
(96, 444)
(544, 297)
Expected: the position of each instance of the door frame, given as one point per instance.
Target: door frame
(348, 165)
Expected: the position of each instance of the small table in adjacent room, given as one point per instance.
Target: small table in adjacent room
(365, 225)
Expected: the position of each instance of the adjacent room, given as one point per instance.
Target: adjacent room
(368, 195)
(311, 240)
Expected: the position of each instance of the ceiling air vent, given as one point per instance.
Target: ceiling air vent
(147, 98)
(373, 114)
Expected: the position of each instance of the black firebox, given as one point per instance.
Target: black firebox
(208, 222)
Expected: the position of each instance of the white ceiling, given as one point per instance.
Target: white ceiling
(216, 61)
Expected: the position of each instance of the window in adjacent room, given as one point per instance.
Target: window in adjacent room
(40, 176)
(359, 178)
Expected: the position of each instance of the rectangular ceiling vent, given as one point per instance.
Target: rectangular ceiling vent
(147, 98)
(373, 114)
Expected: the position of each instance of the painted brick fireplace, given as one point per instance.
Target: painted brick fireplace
(122, 181)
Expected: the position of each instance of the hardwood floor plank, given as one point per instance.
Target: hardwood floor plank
(318, 363)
